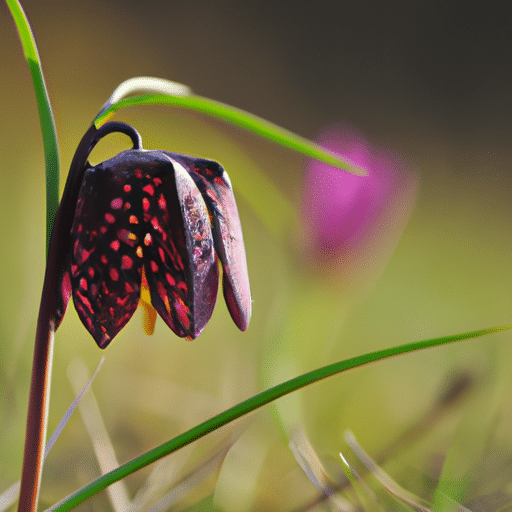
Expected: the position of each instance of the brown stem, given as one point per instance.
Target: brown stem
(58, 252)
(38, 412)
(39, 399)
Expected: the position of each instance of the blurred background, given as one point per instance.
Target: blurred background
(427, 83)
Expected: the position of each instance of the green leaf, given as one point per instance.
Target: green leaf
(45, 114)
(178, 95)
(252, 404)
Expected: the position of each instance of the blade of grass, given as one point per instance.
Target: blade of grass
(93, 421)
(309, 461)
(252, 404)
(364, 496)
(48, 131)
(9, 497)
(234, 116)
(405, 497)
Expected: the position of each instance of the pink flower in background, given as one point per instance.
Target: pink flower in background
(346, 215)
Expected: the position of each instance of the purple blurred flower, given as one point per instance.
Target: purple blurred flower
(341, 211)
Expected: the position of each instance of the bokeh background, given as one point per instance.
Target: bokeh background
(430, 81)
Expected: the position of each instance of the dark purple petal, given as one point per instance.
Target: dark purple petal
(184, 282)
(105, 274)
(215, 186)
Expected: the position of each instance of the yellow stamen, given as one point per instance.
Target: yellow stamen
(148, 311)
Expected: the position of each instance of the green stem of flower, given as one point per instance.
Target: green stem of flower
(252, 404)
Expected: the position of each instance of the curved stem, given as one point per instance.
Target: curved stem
(46, 323)
(37, 419)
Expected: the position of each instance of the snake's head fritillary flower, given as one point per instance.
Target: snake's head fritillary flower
(151, 226)
(341, 210)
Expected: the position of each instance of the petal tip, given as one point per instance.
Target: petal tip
(239, 305)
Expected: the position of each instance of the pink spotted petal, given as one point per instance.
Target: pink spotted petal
(189, 302)
(104, 272)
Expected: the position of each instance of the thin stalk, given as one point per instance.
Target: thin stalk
(39, 401)
(56, 265)
(35, 436)
(252, 404)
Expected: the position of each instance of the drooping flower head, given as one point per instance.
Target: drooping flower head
(154, 223)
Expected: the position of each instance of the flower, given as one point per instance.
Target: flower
(343, 211)
(154, 224)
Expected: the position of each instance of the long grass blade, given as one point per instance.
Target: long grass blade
(254, 403)
(48, 130)
(231, 115)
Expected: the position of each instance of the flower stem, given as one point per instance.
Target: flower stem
(35, 436)
(38, 412)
